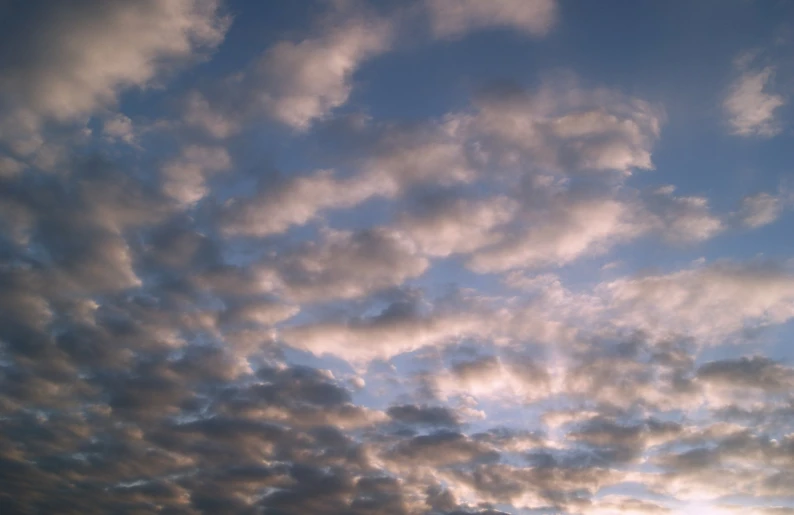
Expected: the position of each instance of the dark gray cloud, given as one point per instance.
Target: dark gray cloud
(442, 448)
(753, 372)
(612, 441)
(424, 415)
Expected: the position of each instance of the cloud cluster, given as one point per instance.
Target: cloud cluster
(77, 57)
(182, 335)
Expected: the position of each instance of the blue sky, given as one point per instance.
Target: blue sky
(435, 257)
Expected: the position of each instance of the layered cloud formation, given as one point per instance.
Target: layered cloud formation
(253, 292)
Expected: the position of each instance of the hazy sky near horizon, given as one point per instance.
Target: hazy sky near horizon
(436, 257)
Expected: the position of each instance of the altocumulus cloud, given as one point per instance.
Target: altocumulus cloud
(351, 257)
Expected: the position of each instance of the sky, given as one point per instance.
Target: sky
(418, 257)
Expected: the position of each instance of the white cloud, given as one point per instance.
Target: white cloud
(560, 128)
(435, 152)
(493, 378)
(623, 382)
(625, 505)
(760, 209)
(682, 218)
(294, 82)
(184, 177)
(199, 113)
(570, 229)
(400, 159)
(261, 312)
(559, 226)
(297, 201)
(404, 327)
(298, 83)
(564, 128)
(728, 509)
(383, 337)
(459, 226)
(750, 105)
(546, 130)
(455, 18)
(79, 55)
(339, 265)
(119, 128)
(709, 302)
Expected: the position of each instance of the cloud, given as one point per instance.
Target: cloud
(298, 83)
(260, 312)
(78, 56)
(399, 328)
(528, 488)
(346, 265)
(560, 225)
(750, 106)
(406, 325)
(709, 302)
(119, 128)
(629, 376)
(545, 130)
(295, 82)
(184, 177)
(80, 229)
(391, 162)
(754, 372)
(490, 377)
(741, 456)
(682, 219)
(298, 396)
(562, 127)
(457, 226)
(761, 209)
(181, 335)
(756, 510)
(198, 112)
(423, 415)
(296, 201)
(442, 448)
(574, 227)
(436, 151)
(619, 504)
(9, 167)
(618, 443)
(454, 19)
